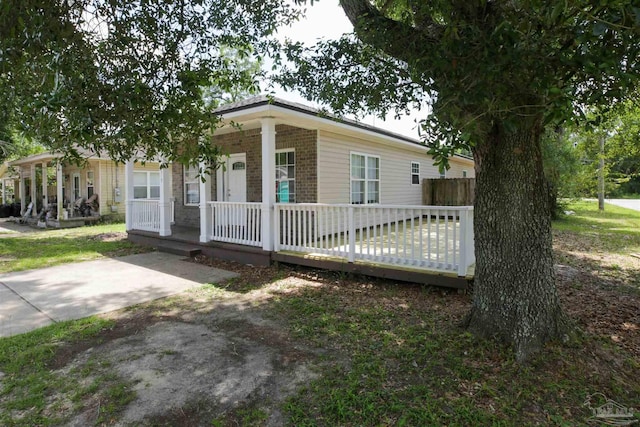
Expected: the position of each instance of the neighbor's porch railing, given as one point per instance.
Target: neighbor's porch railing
(145, 214)
(433, 237)
(236, 222)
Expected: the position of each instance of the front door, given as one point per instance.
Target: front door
(236, 178)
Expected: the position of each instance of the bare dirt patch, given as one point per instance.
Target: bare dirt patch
(189, 360)
(110, 237)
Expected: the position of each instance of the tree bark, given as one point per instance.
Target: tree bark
(514, 297)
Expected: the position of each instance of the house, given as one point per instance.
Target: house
(44, 179)
(337, 189)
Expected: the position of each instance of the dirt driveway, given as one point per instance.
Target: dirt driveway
(186, 360)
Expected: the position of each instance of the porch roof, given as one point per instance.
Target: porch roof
(250, 110)
(49, 156)
(5, 172)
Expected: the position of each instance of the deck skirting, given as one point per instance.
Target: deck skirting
(256, 256)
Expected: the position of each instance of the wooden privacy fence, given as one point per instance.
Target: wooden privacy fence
(448, 192)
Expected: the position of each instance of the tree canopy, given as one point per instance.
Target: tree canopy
(479, 62)
(124, 77)
(496, 73)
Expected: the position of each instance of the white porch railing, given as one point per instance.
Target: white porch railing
(236, 222)
(434, 237)
(145, 215)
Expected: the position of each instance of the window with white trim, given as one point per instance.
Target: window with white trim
(90, 183)
(286, 176)
(365, 179)
(76, 185)
(146, 185)
(415, 173)
(191, 185)
(464, 173)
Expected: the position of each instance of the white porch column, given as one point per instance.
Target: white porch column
(23, 200)
(268, 181)
(4, 196)
(128, 194)
(34, 212)
(205, 198)
(165, 201)
(45, 186)
(59, 196)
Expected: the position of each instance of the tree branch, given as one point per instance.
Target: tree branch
(397, 39)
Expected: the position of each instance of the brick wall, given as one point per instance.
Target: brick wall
(246, 141)
(302, 140)
(305, 144)
(186, 215)
(249, 141)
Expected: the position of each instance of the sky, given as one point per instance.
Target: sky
(326, 19)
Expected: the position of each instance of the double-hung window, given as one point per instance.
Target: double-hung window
(415, 173)
(191, 186)
(365, 179)
(286, 176)
(90, 183)
(146, 185)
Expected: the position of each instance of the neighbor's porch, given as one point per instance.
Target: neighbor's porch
(57, 190)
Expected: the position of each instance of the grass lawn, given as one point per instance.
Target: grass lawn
(384, 353)
(52, 247)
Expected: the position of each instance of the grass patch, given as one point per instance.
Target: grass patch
(28, 381)
(54, 247)
(604, 244)
(615, 229)
(396, 355)
(406, 363)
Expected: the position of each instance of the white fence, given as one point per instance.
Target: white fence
(145, 215)
(431, 237)
(239, 223)
(434, 237)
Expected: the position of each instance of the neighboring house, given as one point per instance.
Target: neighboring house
(43, 179)
(330, 182)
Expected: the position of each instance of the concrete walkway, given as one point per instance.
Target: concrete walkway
(625, 203)
(9, 228)
(35, 298)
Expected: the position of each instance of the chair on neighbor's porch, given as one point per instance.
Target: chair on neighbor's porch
(26, 215)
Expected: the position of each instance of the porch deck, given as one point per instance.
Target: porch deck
(72, 222)
(185, 241)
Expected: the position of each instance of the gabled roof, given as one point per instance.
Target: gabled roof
(235, 109)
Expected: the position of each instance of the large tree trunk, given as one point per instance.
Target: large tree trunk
(514, 296)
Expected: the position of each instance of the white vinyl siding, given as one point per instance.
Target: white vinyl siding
(334, 168)
(395, 188)
(458, 166)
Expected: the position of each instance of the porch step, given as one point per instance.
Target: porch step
(177, 248)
